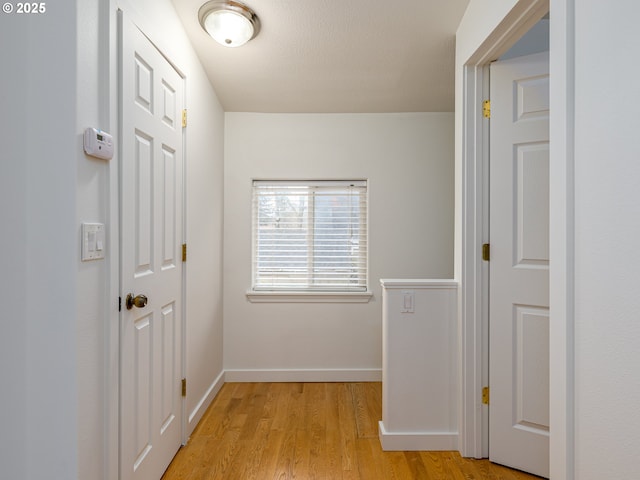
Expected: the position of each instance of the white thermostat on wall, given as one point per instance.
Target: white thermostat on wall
(98, 143)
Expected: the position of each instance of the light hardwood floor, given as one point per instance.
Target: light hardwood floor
(324, 431)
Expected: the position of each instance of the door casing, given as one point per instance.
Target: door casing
(474, 339)
(109, 51)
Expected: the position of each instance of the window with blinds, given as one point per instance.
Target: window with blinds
(310, 236)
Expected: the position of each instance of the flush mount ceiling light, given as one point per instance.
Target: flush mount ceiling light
(229, 23)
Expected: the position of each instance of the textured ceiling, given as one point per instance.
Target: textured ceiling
(335, 56)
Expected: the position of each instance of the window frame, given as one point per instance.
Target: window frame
(308, 295)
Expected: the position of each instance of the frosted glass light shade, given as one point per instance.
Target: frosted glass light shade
(228, 28)
(229, 23)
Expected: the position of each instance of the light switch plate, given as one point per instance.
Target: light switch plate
(408, 301)
(93, 245)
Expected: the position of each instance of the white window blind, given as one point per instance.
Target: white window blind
(310, 236)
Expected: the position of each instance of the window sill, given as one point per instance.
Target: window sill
(308, 297)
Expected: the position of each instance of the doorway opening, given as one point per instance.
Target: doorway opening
(474, 416)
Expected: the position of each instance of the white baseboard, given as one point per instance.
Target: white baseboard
(417, 441)
(196, 414)
(363, 375)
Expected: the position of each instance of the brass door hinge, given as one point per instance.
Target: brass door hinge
(184, 252)
(485, 396)
(486, 250)
(184, 118)
(486, 109)
(184, 387)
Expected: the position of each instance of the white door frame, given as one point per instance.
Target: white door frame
(112, 327)
(109, 52)
(474, 431)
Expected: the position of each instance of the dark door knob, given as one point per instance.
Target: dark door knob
(138, 301)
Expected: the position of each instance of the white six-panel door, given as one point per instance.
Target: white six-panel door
(151, 264)
(519, 265)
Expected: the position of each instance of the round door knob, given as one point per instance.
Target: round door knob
(138, 301)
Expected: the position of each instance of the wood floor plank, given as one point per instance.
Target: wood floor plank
(399, 467)
(266, 468)
(225, 448)
(286, 455)
(312, 431)
(414, 461)
(302, 453)
(316, 409)
(332, 442)
(280, 402)
(367, 407)
(347, 428)
(369, 460)
(436, 463)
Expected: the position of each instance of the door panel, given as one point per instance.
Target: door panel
(151, 239)
(169, 227)
(168, 406)
(532, 365)
(532, 97)
(519, 265)
(532, 205)
(142, 203)
(142, 414)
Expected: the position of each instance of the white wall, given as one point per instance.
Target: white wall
(606, 233)
(39, 245)
(58, 311)
(204, 217)
(13, 218)
(408, 160)
(92, 205)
